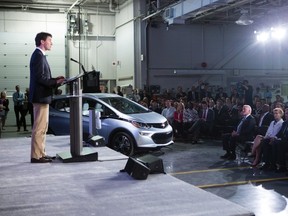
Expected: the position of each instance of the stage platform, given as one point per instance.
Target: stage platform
(95, 188)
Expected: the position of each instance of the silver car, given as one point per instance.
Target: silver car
(126, 125)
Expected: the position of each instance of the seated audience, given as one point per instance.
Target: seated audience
(269, 137)
(221, 113)
(168, 111)
(243, 132)
(154, 106)
(190, 116)
(204, 124)
(274, 151)
(257, 110)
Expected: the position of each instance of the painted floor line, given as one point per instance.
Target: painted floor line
(242, 182)
(208, 170)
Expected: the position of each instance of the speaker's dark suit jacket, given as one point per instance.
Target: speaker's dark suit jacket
(41, 81)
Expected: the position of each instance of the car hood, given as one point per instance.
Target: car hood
(150, 117)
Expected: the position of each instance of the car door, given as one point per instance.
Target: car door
(107, 116)
(59, 117)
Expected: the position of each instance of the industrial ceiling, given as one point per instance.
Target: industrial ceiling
(173, 11)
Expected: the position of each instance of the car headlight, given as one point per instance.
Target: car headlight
(139, 124)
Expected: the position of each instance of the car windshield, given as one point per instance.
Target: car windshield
(125, 105)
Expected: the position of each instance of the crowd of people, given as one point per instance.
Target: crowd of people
(237, 117)
(22, 107)
(244, 115)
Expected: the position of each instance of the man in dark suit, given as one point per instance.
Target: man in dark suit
(204, 124)
(266, 117)
(243, 132)
(193, 95)
(41, 91)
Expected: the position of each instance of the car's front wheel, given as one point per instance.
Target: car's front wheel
(123, 142)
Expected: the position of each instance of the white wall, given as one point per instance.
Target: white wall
(125, 45)
(17, 33)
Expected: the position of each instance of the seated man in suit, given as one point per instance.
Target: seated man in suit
(243, 132)
(204, 124)
(265, 118)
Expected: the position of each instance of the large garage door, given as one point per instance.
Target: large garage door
(15, 53)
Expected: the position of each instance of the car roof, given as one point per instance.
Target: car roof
(96, 95)
(101, 95)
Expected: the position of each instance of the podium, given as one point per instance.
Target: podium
(77, 153)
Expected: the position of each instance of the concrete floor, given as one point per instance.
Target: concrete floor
(264, 193)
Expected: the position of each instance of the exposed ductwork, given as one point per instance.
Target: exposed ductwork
(178, 13)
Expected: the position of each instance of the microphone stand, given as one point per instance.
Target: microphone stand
(77, 152)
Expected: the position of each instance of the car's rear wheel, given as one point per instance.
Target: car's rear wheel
(123, 142)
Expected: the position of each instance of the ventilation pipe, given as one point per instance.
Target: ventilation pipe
(111, 7)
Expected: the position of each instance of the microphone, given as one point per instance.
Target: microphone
(82, 67)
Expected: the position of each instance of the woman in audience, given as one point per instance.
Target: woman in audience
(269, 137)
(178, 120)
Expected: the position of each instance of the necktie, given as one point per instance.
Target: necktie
(240, 125)
(204, 114)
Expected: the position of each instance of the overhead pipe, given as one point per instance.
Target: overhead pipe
(111, 7)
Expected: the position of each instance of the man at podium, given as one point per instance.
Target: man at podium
(42, 86)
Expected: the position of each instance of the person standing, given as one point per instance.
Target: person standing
(248, 95)
(41, 91)
(5, 103)
(29, 106)
(18, 99)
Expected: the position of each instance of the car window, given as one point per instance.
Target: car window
(125, 105)
(62, 105)
(92, 104)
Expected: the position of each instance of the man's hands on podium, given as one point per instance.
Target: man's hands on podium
(60, 80)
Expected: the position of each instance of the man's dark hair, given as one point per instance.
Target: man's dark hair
(41, 36)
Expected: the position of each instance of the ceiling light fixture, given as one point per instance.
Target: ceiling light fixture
(244, 19)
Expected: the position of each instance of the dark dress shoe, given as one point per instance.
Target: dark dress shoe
(41, 160)
(50, 157)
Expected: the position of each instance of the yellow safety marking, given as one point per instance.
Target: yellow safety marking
(208, 170)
